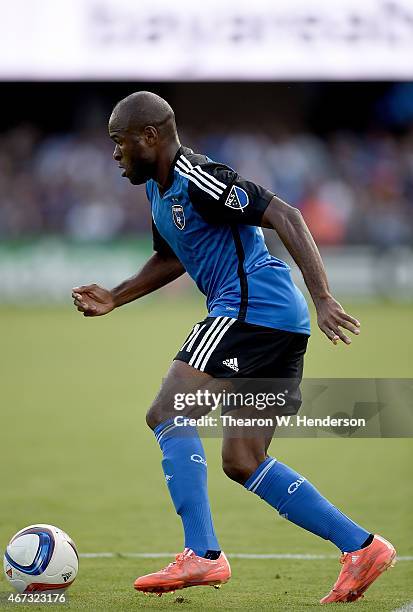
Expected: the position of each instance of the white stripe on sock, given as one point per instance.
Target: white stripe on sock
(261, 476)
(167, 429)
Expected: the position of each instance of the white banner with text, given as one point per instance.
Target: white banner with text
(160, 40)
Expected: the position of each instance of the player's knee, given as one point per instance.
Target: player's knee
(239, 470)
(153, 417)
(158, 413)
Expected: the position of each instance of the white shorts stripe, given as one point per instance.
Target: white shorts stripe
(204, 339)
(214, 346)
(191, 344)
(190, 177)
(211, 340)
(191, 335)
(200, 178)
(198, 168)
(261, 476)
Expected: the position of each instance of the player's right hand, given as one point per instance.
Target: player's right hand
(93, 300)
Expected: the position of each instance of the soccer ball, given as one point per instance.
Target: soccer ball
(40, 558)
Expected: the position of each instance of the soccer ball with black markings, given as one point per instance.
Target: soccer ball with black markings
(41, 558)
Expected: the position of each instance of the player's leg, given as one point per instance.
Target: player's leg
(245, 460)
(244, 449)
(364, 557)
(184, 462)
(185, 468)
(289, 492)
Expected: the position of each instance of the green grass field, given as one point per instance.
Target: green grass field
(76, 453)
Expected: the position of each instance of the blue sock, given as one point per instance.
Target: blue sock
(185, 470)
(299, 502)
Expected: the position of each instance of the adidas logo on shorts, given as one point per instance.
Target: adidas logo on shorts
(232, 363)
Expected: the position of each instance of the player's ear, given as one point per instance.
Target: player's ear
(151, 135)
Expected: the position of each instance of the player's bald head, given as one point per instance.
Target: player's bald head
(142, 109)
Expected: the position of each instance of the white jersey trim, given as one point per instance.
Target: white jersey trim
(207, 175)
(191, 177)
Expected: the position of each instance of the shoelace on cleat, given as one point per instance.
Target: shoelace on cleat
(179, 559)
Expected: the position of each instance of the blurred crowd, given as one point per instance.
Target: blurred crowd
(350, 188)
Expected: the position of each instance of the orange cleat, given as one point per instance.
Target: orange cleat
(360, 570)
(187, 570)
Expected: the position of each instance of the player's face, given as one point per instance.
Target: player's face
(134, 155)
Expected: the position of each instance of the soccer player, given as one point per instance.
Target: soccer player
(207, 221)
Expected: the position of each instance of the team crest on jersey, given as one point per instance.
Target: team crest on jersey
(178, 216)
(237, 198)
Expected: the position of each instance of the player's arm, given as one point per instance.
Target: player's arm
(160, 269)
(289, 224)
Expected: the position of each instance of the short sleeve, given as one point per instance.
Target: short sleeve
(159, 244)
(221, 195)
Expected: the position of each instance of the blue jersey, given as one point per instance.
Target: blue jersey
(209, 217)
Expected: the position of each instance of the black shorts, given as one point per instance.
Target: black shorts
(228, 348)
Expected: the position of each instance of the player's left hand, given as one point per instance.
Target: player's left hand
(331, 317)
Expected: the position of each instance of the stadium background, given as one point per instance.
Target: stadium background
(341, 152)
(74, 391)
